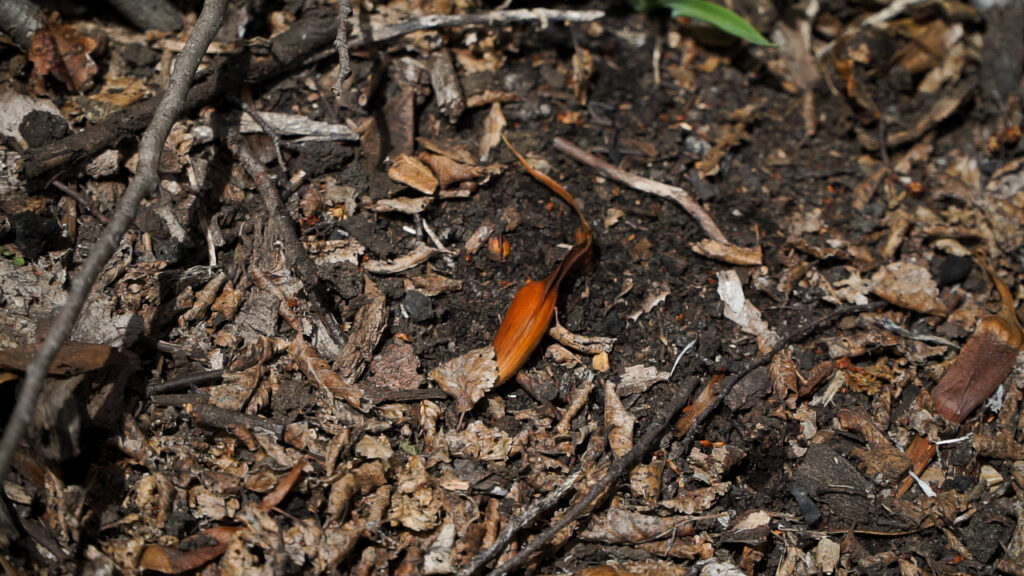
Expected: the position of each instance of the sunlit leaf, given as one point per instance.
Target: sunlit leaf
(718, 16)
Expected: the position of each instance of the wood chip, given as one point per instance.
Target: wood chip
(420, 254)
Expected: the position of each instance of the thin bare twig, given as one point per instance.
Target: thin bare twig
(146, 180)
(81, 199)
(341, 44)
(647, 185)
(662, 418)
(489, 19)
(521, 522)
(275, 139)
(295, 252)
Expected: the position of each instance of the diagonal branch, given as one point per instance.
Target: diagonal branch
(146, 180)
(669, 192)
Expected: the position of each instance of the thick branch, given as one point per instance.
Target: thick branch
(304, 39)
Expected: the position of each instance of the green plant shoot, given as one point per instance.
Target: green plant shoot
(714, 14)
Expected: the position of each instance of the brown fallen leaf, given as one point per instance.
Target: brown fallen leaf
(984, 362)
(414, 173)
(168, 560)
(451, 172)
(275, 496)
(981, 367)
(62, 52)
(468, 377)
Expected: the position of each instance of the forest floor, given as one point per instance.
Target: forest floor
(208, 417)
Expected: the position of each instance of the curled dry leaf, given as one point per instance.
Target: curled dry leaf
(618, 421)
(580, 343)
(419, 254)
(530, 313)
(738, 255)
(432, 284)
(318, 370)
(468, 377)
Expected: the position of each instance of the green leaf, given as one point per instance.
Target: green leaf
(718, 16)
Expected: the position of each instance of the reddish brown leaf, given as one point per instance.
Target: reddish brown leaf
(61, 51)
(985, 361)
(168, 560)
(530, 313)
(275, 496)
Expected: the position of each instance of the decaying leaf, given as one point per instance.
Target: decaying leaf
(910, 286)
(318, 370)
(168, 560)
(618, 421)
(64, 53)
(413, 173)
(468, 377)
